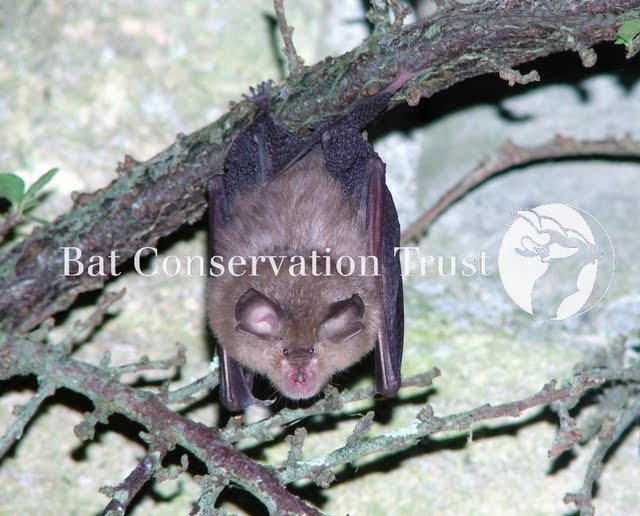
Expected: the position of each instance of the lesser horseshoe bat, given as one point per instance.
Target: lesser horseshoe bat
(319, 197)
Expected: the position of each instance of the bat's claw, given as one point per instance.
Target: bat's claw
(260, 95)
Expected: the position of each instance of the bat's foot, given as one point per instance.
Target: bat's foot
(260, 95)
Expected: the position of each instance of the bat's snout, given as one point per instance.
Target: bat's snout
(298, 355)
(300, 378)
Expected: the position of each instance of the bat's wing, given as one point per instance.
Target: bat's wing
(353, 162)
(235, 382)
(384, 236)
(383, 231)
(261, 151)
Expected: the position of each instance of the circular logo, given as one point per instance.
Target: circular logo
(556, 261)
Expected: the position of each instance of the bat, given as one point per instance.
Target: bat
(294, 210)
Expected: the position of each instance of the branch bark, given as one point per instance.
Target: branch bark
(23, 356)
(153, 199)
(512, 156)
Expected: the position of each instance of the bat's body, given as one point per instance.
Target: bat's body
(323, 196)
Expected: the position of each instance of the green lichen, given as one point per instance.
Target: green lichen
(628, 35)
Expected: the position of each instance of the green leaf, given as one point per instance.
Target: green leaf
(28, 204)
(11, 188)
(628, 31)
(40, 183)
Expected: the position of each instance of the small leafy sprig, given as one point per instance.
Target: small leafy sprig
(629, 36)
(21, 199)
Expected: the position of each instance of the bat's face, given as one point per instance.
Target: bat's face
(300, 341)
(299, 354)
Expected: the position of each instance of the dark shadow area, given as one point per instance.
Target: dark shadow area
(5, 206)
(242, 499)
(84, 300)
(564, 68)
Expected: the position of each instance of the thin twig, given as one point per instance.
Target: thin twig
(321, 468)
(294, 61)
(205, 383)
(144, 364)
(122, 495)
(185, 394)
(332, 402)
(515, 156)
(610, 433)
(83, 329)
(24, 414)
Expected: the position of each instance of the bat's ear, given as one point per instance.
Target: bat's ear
(343, 320)
(259, 316)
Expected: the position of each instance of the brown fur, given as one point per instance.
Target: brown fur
(300, 211)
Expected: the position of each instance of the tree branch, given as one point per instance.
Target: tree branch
(332, 401)
(294, 61)
(22, 356)
(153, 199)
(512, 156)
(24, 414)
(122, 495)
(610, 433)
(320, 469)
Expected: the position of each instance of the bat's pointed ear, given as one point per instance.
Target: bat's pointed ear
(259, 316)
(343, 320)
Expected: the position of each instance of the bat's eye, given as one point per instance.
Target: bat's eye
(311, 351)
(285, 352)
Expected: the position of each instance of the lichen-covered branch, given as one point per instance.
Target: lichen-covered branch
(333, 401)
(20, 356)
(612, 429)
(512, 156)
(122, 495)
(153, 199)
(294, 61)
(185, 395)
(23, 415)
(321, 469)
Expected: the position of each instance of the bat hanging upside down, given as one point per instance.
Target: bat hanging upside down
(317, 198)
